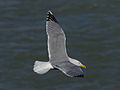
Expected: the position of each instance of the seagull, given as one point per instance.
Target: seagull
(58, 57)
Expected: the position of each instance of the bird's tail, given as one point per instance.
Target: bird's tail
(42, 67)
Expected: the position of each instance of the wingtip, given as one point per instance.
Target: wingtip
(50, 17)
(49, 12)
(82, 75)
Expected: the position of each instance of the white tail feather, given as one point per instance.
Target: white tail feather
(42, 67)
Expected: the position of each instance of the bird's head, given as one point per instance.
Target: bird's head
(80, 64)
(76, 62)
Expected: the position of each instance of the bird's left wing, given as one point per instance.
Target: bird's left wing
(56, 39)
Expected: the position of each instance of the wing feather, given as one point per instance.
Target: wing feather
(56, 38)
(70, 69)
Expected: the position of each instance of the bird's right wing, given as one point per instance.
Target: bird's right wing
(70, 69)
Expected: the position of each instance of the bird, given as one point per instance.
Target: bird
(58, 57)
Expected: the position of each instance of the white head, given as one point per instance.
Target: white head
(76, 62)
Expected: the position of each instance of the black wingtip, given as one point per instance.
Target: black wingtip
(80, 76)
(50, 17)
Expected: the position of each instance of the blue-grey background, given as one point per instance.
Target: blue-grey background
(92, 28)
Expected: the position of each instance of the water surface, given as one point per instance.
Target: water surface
(92, 28)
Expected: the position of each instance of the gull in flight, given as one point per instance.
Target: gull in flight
(58, 58)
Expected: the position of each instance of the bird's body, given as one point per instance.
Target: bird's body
(58, 57)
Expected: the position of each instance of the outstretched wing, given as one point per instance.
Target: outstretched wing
(56, 38)
(57, 48)
(69, 69)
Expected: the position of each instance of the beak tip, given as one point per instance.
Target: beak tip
(83, 66)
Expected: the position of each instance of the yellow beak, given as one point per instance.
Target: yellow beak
(83, 66)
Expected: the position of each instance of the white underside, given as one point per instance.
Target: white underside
(42, 67)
